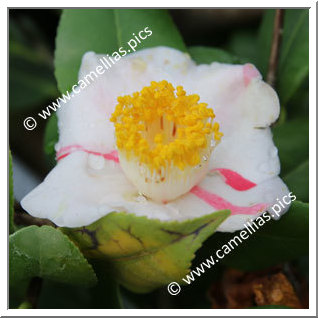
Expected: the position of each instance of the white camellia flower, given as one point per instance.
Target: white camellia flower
(183, 141)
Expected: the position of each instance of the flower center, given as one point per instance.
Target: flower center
(164, 139)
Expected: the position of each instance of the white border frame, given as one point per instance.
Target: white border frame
(312, 155)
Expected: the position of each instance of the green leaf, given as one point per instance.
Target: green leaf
(298, 181)
(294, 57)
(264, 41)
(298, 105)
(293, 65)
(51, 137)
(292, 141)
(104, 295)
(144, 254)
(207, 55)
(164, 32)
(11, 196)
(110, 30)
(31, 69)
(47, 253)
(242, 44)
(31, 83)
(273, 243)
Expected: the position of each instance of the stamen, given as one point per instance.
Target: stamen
(166, 134)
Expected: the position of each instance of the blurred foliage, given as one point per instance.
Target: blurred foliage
(31, 80)
(291, 139)
(293, 66)
(204, 55)
(242, 43)
(298, 180)
(46, 252)
(11, 196)
(51, 137)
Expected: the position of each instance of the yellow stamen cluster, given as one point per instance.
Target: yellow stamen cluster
(160, 125)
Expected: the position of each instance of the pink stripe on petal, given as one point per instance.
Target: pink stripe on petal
(63, 156)
(235, 180)
(221, 204)
(68, 149)
(112, 156)
(65, 151)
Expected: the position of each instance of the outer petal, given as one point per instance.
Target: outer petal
(84, 187)
(244, 205)
(78, 191)
(89, 184)
(245, 106)
(250, 152)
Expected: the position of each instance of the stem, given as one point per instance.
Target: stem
(276, 41)
(23, 218)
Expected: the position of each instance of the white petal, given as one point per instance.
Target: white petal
(84, 187)
(244, 106)
(78, 191)
(260, 198)
(236, 101)
(84, 119)
(250, 152)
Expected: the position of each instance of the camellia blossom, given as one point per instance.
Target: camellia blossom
(159, 136)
